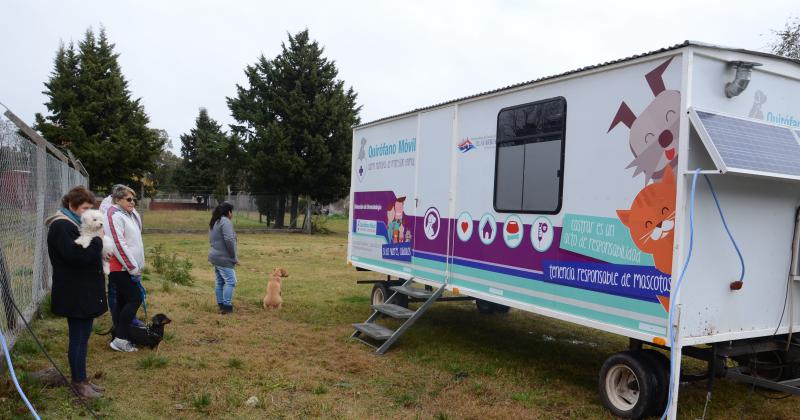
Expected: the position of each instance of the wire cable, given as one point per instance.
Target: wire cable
(686, 265)
(677, 289)
(725, 224)
(47, 355)
(7, 354)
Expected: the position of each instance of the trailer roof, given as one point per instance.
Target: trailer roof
(686, 43)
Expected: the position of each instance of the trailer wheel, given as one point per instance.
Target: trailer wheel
(484, 306)
(628, 385)
(661, 366)
(380, 293)
(500, 309)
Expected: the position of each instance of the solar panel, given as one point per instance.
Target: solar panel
(749, 146)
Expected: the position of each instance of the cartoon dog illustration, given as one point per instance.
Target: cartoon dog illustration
(654, 133)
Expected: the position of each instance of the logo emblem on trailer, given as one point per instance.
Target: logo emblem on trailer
(513, 231)
(465, 146)
(464, 226)
(487, 229)
(361, 164)
(431, 222)
(541, 234)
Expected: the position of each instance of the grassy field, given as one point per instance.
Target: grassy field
(195, 219)
(299, 362)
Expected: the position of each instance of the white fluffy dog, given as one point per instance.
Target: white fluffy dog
(91, 226)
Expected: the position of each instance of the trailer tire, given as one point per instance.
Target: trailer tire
(380, 293)
(501, 309)
(400, 300)
(661, 366)
(484, 306)
(628, 385)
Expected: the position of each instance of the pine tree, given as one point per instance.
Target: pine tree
(91, 112)
(204, 157)
(297, 119)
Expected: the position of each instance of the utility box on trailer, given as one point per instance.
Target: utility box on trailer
(571, 197)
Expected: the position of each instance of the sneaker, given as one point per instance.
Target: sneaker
(123, 345)
(226, 309)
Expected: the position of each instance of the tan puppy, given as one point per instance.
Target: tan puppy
(273, 299)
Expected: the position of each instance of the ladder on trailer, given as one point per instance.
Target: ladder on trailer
(384, 337)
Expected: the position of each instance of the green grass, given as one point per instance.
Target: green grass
(198, 219)
(152, 361)
(454, 363)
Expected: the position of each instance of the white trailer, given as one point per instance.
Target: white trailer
(586, 197)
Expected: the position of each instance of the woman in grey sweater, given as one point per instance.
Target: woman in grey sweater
(223, 255)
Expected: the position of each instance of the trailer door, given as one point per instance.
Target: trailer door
(432, 237)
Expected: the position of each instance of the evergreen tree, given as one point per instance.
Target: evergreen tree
(167, 165)
(92, 113)
(787, 43)
(204, 157)
(296, 117)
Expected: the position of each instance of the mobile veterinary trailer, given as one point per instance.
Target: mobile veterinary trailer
(571, 197)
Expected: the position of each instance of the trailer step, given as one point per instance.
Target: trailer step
(394, 311)
(388, 336)
(414, 292)
(378, 332)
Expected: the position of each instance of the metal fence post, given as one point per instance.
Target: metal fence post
(39, 249)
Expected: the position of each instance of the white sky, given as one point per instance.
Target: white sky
(182, 55)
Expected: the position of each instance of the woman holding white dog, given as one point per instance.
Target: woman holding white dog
(223, 255)
(78, 283)
(125, 228)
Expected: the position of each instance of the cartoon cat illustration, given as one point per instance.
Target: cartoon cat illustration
(654, 133)
(651, 220)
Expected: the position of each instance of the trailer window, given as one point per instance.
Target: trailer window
(530, 157)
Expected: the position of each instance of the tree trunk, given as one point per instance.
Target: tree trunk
(308, 215)
(294, 209)
(281, 211)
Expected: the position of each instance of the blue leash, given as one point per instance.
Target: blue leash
(144, 299)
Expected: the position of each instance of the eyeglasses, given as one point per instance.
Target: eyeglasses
(131, 200)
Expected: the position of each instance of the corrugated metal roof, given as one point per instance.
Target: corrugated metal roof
(578, 70)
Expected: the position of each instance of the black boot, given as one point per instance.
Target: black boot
(226, 309)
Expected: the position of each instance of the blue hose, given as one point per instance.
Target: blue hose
(686, 265)
(14, 376)
(677, 288)
(724, 223)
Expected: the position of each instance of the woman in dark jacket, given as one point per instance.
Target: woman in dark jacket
(78, 282)
(222, 254)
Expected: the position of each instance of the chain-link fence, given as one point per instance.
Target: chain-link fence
(32, 183)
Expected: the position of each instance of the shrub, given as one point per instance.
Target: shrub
(174, 269)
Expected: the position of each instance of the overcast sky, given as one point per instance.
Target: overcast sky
(182, 55)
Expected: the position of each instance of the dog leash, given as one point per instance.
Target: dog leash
(144, 299)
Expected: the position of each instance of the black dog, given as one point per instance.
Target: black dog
(150, 335)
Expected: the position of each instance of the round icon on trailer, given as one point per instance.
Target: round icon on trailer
(464, 226)
(513, 231)
(430, 223)
(542, 234)
(487, 229)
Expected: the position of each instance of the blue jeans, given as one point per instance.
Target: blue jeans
(79, 332)
(226, 281)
